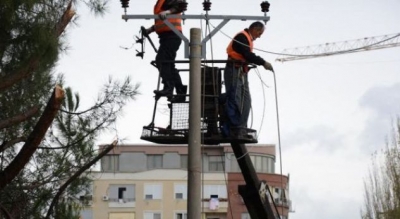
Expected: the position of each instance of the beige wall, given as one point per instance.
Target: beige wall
(122, 216)
(168, 205)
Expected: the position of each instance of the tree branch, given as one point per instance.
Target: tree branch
(65, 19)
(10, 143)
(19, 118)
(34, 138)
(76, 175)
(38, 184)
(11, 79)
(24, 72)
(6, 214)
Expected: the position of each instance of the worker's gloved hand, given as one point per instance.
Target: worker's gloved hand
(268, 66)
(162, 15)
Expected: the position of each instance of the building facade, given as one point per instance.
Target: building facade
(150, 182)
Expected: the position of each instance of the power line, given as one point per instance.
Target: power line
(328, 49)
(342, 47)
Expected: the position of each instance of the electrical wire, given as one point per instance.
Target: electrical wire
(127, 48)
(315, 55)
(279, 132)
(226, 183)
(264, 98)
(214, 89)
(277, 114)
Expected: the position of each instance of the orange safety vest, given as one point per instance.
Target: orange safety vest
(237, 56)
(159, 25)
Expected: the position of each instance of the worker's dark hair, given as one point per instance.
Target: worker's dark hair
(257, 25)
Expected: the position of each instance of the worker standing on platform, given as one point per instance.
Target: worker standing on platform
(169, 45)
(240, 54)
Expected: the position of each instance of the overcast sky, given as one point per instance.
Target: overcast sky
(334, 111)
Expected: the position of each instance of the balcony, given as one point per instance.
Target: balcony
(121, 203)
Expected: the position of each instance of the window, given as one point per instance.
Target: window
(277, 193)
(121, 193)
(180, 191)
(245, 216)
(215, 163)
(253, 159)
(280, 196)
(180, 216)
(184, 161)
(215, 190)
(110, 163)
(272, 165)
(152, 191)
(152, 215)
(265, 166)
(154, 161)
(234, 164)
(258, 164)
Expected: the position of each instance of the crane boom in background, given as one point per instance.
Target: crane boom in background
(342, 47)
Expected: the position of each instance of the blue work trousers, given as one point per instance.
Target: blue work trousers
(236, 79)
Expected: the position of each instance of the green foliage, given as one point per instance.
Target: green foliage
(30, 46)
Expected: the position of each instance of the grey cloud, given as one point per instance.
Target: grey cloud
(383, 104)
(329, 206)
(325, 138)
(383, 101)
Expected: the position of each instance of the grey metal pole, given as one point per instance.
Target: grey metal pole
(194, 152)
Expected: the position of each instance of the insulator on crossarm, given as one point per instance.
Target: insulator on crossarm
(125, 4)
(207, 5)
(183, 5)
(265, 6)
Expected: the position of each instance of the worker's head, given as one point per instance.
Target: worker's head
(256, 29)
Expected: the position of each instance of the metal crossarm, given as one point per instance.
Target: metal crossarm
(225, 19)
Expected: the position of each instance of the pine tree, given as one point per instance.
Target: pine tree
(47, 143)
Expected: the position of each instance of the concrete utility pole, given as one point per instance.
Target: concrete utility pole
(194, 155)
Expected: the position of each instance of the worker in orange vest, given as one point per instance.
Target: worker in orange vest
(169, 45)
(240, 54)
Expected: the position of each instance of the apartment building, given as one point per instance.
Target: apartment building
(150, 182)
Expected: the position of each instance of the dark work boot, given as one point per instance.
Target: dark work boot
(167, 90)
(180, 94)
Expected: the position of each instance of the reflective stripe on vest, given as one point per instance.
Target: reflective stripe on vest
(237, 56)
(159, 25)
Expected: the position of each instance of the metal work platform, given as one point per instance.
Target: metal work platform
(212, 116)
(181, 136)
